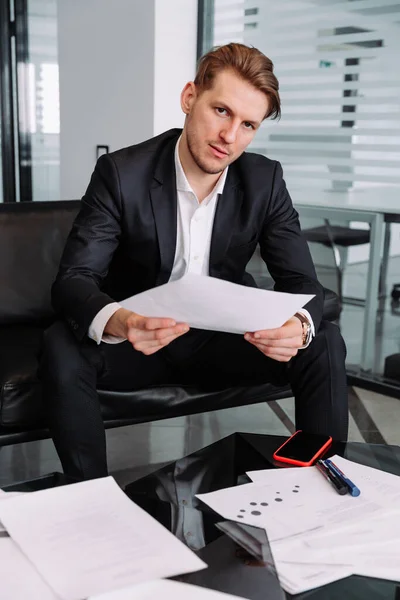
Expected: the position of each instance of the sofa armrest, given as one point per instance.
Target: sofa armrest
(332, 306)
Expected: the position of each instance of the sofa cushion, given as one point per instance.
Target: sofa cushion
(20, 390)
(32, 239)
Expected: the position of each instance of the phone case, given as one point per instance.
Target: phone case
(299, 463)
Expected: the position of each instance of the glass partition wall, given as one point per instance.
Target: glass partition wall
(29, 101)
(339, 135)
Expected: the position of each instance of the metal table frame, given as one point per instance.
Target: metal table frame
(378, 222)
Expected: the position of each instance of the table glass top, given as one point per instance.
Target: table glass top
(169, 496)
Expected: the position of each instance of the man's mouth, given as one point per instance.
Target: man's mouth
(218, 151)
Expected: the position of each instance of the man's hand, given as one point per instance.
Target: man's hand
(279, 344)
(146, 334)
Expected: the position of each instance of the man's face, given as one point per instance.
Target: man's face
(221, 121)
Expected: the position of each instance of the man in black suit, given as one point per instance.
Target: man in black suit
(194, 201)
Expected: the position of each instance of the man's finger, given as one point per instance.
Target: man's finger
(146, 345)
(278, 351)
(282, 355)
(294, 342)
(286, 331)
(291, 328)
(151, 323)
(270, 352)
(136, 335)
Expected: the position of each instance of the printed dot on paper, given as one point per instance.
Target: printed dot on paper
(296, 486)
(240, 517)
(278, 500)
(264, 503)
(242, 510)
(255, 512)
(253, 503)
(295, 491)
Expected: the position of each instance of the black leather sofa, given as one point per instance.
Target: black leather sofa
(32, 236)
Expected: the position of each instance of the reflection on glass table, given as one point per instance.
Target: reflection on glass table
(169, 496)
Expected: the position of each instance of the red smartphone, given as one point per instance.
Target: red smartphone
(302, 449)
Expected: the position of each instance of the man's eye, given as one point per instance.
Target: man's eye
(248, 125)
(221, 111)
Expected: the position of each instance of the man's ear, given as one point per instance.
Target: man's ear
(188, 97)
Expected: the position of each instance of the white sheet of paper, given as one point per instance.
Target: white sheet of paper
(167, 590)
(359, 535)
(88, 538)
(210, 303)
(6, 496)
(298, 578)
(377, 530)
(379, 560)
(373, 482)
(319, 498)
(384, 563)
(262, 506)
(18, 577)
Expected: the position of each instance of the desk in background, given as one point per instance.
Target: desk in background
(379, 207)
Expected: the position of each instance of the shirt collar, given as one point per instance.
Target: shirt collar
(182, 184)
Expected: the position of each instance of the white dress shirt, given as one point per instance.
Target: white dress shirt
(193, 241)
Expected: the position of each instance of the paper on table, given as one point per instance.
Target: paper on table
(384, 564)
(298, 578)
(167, 590)
(371, 481)
(377, 530)
(6, 496)
(88, 538)
(18, 577)
(357, 532)
(263, 506)
(210, 303)
(379, 560)
(319, 499)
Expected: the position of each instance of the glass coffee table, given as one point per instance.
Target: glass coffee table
(169, 495)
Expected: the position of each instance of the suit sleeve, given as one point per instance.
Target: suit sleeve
(285, 250)
(94, 237)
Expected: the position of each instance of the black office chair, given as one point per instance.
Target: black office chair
(333, 236)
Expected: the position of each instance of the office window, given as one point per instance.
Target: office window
(337, 63)
(44, 99)
(30, 94)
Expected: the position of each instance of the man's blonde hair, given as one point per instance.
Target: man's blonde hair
(249, 63)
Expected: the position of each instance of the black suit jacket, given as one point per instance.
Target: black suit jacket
(123, 239)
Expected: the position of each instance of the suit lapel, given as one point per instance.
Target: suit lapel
(164, 203)
(226, 215)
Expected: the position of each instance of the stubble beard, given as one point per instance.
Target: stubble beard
(195, 154)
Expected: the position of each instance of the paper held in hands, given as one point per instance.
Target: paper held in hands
(209, 303)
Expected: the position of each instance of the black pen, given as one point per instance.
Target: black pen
(339, 485)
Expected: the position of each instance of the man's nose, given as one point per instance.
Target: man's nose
(229, 133)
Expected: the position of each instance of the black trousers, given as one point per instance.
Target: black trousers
(71, 371)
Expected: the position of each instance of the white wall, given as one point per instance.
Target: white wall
(123, 64)
(174, 59)
(106, 58)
